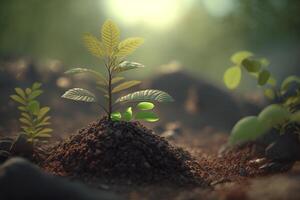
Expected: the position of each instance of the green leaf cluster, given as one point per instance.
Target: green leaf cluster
(252, 127)
(34, 118)
(246, 61)
(143, 113)
(112, 52)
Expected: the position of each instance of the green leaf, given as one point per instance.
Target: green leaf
(232, 77)
(128, 46)
(288, 81)
(116, 116)
(251, 65)
(43, 135)
(22, 108)
(127, 115)
(93, 45)
(25, 121)
(35, 94)
(145, 106)
(33, 107)
(79, 94)
(26, 115)
(263, 77)
(43, 111)
(44, 131)
(146, 95)
(147, 116)
(269, 93)
(110, 36)
(116, 80)
(126, 65)
(125, 85)
(28, 91)
(238, 57)
(274, 115)
(43, 122)
(96, 74)
(248, 128)
(18, 99)
(21, 93)
(36, 86)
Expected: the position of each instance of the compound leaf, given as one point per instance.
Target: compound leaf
(146, 95)
(96, 74)
(18, 99)
(117, 79)
(21, 93)
(79, 94)
(36, 86)
(127, 65)
(125, 85)
(93, 45)
(43, 111)
(110, 35)
(129, 45)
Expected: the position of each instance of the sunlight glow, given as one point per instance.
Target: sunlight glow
(156, 13)
(219, 8)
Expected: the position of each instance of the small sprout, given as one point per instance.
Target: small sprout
(127, 115)
(112, 52)
(33, 117)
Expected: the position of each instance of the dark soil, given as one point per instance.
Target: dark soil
(124, 151)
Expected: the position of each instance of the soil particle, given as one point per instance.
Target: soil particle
(124, 151)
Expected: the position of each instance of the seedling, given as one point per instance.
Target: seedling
(34, 119)
(286, 96)
(112, 53)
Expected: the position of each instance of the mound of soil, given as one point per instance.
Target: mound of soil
(124, 151)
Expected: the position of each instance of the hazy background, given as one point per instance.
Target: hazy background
(200, 35)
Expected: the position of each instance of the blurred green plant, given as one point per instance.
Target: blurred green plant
(34, 119)
(112, 53)
(286, 98)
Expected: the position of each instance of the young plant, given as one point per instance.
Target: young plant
(112, 53)
(33, 118)
(286, 96)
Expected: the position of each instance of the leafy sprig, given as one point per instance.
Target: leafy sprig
(112, 52)
(34, 118)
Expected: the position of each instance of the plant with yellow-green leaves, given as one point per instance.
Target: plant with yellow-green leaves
(34, 118)
(112, 53)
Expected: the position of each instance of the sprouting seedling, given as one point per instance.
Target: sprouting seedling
(112, 53)
(258, 68)
(34, 119)
(275, 116)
